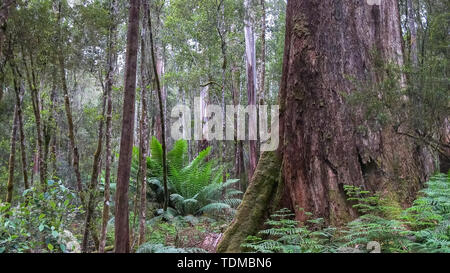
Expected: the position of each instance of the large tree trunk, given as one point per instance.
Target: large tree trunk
(108, 88)
(122, 234)
(250, 57)
(321, 149)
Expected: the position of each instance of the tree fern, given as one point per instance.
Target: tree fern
(195, 187)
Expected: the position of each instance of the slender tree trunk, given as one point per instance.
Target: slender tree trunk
(54, 130)
(35, 168)
(159, 68)
(68, 108)
(250, 54)
(35, 98)
(19, 102)
(51, 127)
(262, 77)
(239, 165)
(413, 49)
(143, 132)
(73, 144)
(223, 45)
(122, 234)
(321, 150)
(108, 87)
(204, 101)
(12, 157)
(92, 190)
(161, 110)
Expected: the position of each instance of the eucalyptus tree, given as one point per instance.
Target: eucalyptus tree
(322, 149)
(250, 58)
(122, 236)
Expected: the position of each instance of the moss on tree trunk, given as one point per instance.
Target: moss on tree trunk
(257, 203)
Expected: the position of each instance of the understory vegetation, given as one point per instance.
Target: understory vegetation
(423, 227)
(201, 204)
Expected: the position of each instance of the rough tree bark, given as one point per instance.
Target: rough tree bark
(112, 36)
(122, 234)
(321, 149)
(250, 57)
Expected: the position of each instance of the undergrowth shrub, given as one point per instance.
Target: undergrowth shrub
(41, 222)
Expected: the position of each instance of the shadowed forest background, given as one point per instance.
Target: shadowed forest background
(88, 164)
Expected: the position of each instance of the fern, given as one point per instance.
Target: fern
(195, 187)
(424, 227)
(286, 236)
(429, 217)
